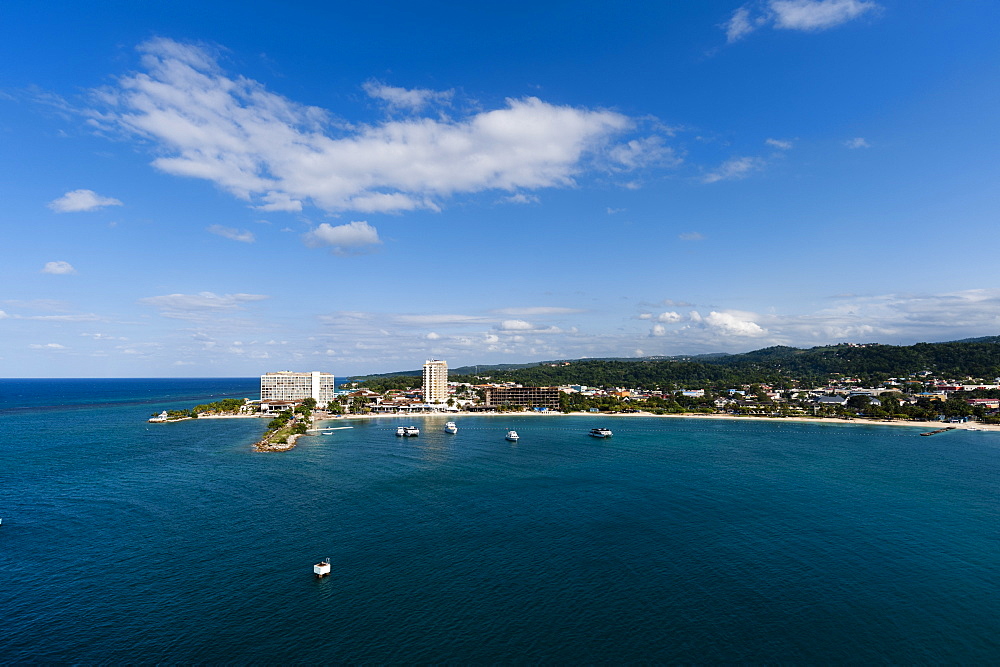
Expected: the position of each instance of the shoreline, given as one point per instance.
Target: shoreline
(927, 425)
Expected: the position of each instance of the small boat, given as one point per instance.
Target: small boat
(600, 433)
(412, 431)
(512, 435)
(400, 430)
(451, 427)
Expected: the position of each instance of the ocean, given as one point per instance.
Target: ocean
(675, 541)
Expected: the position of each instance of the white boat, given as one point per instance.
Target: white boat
(412, 431)
(600, 433)
(512, 435)
(400, 430)
(451, 427)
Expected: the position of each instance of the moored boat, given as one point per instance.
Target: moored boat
(600, 433)
(400, 430)
(512, 435)
(451, 427)
(412, 431)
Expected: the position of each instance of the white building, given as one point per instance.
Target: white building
(289, 386)
(435, 381)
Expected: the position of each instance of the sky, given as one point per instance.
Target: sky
(222, 189)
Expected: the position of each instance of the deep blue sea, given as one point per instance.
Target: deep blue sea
(675, 541)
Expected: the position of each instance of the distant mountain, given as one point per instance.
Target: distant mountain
(778, 365)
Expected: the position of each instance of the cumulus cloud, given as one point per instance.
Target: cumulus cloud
(857, 142)
(780, 144)
(803, 15)
(81, 200)
(244, 236)
(734, 324)
(734, 169)
(343, 239)
(58, 268)
(515, 325)
(278, 154)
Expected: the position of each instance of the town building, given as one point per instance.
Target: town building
(289, 386)
(435, 381)
(522, 397)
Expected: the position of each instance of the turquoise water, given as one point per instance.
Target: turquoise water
(674, 541)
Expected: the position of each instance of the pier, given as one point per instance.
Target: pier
(940, 430)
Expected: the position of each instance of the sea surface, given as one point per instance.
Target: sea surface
(677, 540)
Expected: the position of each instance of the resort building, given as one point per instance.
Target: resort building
(522, 397)
(289, 386)
(435, 381)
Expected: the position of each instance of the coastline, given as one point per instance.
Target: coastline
(926, 425)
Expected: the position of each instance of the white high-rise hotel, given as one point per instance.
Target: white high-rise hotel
(289, 386)
(435, 381)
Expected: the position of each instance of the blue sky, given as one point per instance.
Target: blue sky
(225, 189)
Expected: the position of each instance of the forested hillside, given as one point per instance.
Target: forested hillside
(778, 366)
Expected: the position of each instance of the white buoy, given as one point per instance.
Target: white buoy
(322, 569)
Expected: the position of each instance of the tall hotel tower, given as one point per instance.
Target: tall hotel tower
(435, 381)
(288, 386)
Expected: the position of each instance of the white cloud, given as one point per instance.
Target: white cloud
(691, 236)
(804, 15)
(343, 238)
(438, 320)
(433, 336)
(81, 200)
(3, 315)
(409, 99)
(58, 268)
(279, 201)
(277, 154)
(734, 169)
(740, 24)
(244, 236)
(82, 317)
(780, 144)
(537, 310)
(199, 306)
(734, 324)
(658, 330)
(48, 346)
(857, 142)
(638, 153)
(816, 14)
(521, 198)
(515, 325)
(613, 211)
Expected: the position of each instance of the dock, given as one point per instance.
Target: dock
(940, 430)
